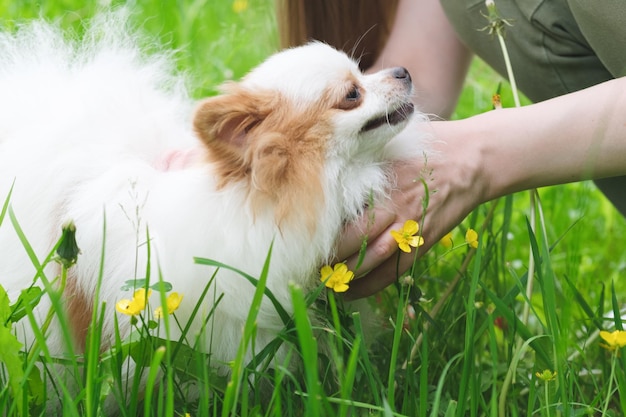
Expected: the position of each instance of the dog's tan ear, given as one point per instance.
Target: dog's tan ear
(256, 136)
(226, 118)
(271, 164)
(223, 124)
(286, 170)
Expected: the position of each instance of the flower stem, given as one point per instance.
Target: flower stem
(608, 392)
(509, 68)
(497, 25)
(546, 392)
(51, 312)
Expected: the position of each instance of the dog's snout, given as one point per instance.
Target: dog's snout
(401, 73)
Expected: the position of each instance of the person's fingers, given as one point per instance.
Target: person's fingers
(378, 250)
(381, 277)
(381, 263)
(372, 223)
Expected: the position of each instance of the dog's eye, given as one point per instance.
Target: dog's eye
(354, 94)
(351, 100)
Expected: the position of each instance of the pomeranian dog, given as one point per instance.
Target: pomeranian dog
(97, 133)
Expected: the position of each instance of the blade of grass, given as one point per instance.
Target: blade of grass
(94, 334)
(621, 377)
(157, 359)
(442, 379)
(367, 367)
(53, 295)
(279, 308)
(5, 206)
(580, 299)
(348, 377)
(512, 369)
(467, 382)
(423, 387)
(493, 350)
(10, 356)
(308, 349)
(510, 317)
(395, 347)
(237, 372)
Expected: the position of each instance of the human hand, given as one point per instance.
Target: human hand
(449, 180)
(485, 157)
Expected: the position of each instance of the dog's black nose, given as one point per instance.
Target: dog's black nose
(401, 73)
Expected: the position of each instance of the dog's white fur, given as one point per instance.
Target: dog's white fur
(96, 130)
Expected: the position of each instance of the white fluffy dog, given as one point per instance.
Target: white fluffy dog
(97, 133)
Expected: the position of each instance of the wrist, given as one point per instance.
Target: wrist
(460, 159)
(501, 157)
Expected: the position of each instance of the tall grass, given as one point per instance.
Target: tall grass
(453, 339)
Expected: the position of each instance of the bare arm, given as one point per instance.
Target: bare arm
(423, 41)
(570, 138)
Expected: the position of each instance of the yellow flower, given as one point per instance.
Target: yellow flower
(471, 237)
(446, 241)
(546, 376)
(240, 6)
(136, 305)
(171, 302)
(614, 340)
(336, 278)
(406, 237)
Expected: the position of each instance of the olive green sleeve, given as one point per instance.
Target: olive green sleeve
(550, 55)
(603, 23)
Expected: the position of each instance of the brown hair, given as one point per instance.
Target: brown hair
(358, 27)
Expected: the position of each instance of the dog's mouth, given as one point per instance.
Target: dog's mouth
(399, 114)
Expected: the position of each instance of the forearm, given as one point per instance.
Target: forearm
(574, 137)
(423, 41)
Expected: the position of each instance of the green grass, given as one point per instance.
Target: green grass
(454, 343)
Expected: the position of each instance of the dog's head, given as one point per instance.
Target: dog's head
(300, 114)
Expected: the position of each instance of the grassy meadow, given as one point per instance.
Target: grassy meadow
(472, 333)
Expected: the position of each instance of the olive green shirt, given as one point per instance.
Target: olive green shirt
(555, 46)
